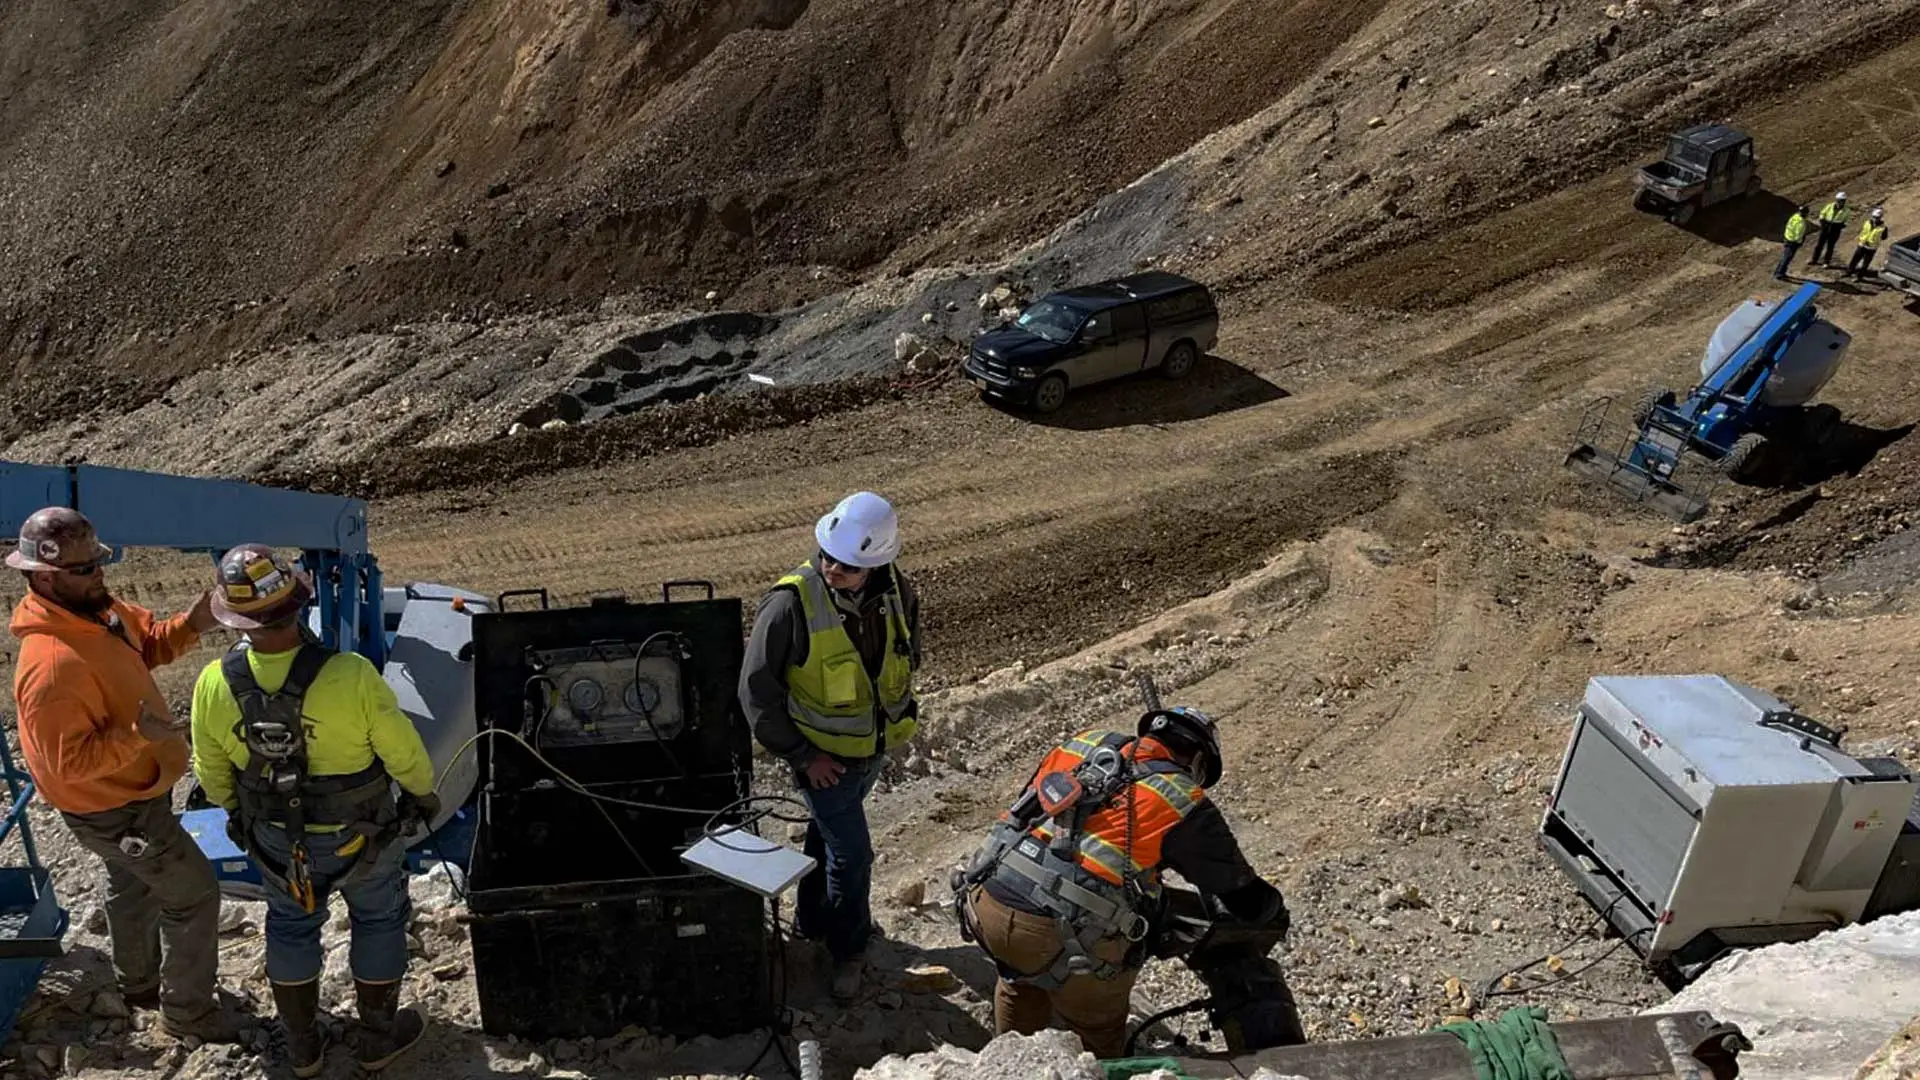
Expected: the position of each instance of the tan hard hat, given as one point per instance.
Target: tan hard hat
(57, 538)
(256, 588)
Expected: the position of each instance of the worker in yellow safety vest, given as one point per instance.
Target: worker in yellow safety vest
(1833, 221)
(827, 684)
(1871, 233)
(1796, 235)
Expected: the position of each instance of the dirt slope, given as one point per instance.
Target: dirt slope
(184, 182)
(1393, 590)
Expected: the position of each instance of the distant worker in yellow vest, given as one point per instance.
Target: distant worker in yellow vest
(1795, 235)
(1833, 221)
(1872, 232)
(828, 685)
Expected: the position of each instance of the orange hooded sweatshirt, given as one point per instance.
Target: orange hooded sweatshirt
(79, 684)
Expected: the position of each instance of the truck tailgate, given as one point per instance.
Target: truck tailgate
(1903, 259)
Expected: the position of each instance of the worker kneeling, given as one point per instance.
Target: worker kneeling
(302, 745)
(1065, 894)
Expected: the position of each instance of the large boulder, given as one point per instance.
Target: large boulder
(1815, 1009)
(1898, 1059)
(1048, 1055)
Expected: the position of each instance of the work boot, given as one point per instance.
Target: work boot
(387, 1031)
(299, 1007)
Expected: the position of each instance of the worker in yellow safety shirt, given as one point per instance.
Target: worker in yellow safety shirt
(302, 746)
(1833, 221)
(1796, 235)
(827, 684)
(1872, 232)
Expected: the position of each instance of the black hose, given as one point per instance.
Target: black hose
(1196, 1005)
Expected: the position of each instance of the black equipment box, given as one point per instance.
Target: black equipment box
(584, 918)
(685, 955)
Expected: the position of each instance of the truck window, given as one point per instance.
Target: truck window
(1128, 322)
(1099, 328)
(1686, 153)
(1180, 306)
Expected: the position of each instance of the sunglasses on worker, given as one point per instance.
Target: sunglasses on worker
(85, 569)
(828, 562)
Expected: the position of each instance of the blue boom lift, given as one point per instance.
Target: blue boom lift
(418, 635)
(1767, 360)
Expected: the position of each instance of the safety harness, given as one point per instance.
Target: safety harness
(275, 785)
(1087, 909)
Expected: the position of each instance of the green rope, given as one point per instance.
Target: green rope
(1124, 1068)
(1518, 1046)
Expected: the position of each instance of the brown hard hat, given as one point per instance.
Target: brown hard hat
(257, 588)
(57, 538)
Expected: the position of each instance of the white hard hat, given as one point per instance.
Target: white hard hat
(1842, 197)
(862, 531)
(1879, 213)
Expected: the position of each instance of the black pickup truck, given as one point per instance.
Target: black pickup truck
(1094, 333)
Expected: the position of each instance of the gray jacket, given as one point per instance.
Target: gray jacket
(779, 640)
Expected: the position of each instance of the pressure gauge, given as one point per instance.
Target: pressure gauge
(585, 696)
(642, 696)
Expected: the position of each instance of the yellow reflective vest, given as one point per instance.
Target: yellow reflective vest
(1796, 229)
(830, 697)
(1836, 213)
(1872, 233)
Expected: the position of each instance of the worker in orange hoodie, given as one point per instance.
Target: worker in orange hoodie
(106, 752)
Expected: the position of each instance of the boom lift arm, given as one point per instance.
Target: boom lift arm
(130, 508)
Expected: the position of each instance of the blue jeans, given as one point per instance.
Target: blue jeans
(1788, 250)
(835, 900)
(377, 904)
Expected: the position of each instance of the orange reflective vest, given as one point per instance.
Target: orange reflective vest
(1121, 841)
(1097, 880)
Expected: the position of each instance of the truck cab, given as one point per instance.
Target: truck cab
(1704, 165)
(1093, 334)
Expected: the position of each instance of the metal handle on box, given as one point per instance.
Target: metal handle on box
(666, 588)
(1790, 721)
(500, 602)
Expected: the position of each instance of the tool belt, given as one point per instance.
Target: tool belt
(361, 804)
(1086, 911)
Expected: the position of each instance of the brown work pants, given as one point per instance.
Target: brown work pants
(1093, 1008)
(167, 895)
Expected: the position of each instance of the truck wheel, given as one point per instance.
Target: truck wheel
(1681, 214)
(1648, 400)
(1743, 457)
(1050, 394)
(1178, 363)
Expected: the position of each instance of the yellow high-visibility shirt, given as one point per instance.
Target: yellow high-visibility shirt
(350, 714)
